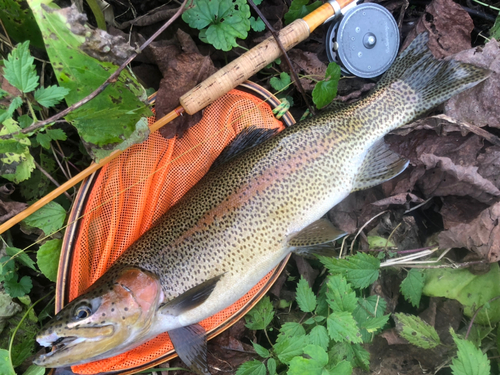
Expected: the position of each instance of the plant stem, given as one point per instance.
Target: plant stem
(47, 174)
(475, 315)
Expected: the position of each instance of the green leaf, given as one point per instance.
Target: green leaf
(257, 24)
(22, 258)
(44, 140)
(299, 9)
(325, 90)
(111, 117)
(11, 145)
(361, 270)
(412, 286)
(49, 218)
(19, 68)
(271, 366)
(339, 294)
(35, 370)
(263, 352)
(495, 30)
(47, 258)
(361, 357)
(416, 331)
(16, 167)
(376, 242)
(17, 288)
(226, 20)
(291, 329)
(5, 363)
(14, 104)
(24, 120)
(261, 315)
(290, 347)
(342, 368)
(56, 134)
(342, 327)
(472, 291)
(280, 83)
(20, 23)
(319, 336)
(470, 360)
(253, 367)
(313, 366)
(367, 309)
(50, 96)
(305, 296)
(374, 324)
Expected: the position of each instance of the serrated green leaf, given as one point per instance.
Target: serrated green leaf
(56, 134)
(412, 286)
(47, 258)
(470, 360)
(366, 309)
(341, 368)
(19, 68)
(291, 329)
(252, 367)
(361, 357)
(5, 363)
(11, 145)
(374, 324)
(21, 257)
(319, 336)
(16, 167)
(376, 242)
(44, 140)
(257, 24)
(339, 294)
(24, 120)
(325, 90)
(280, 83)
(416, 331)
(261, 315)
(49, 218)
(342, 327)
(290, 347)
(17, 288)
(271, 366)
(315, 319)
(305, 296)
(51, 95)
(495, 29)
(299, 9)
(260, 350)
(313, 366)
(472, 291)
(111, 117)
(14, 104)
(361, 270)
(20, 23)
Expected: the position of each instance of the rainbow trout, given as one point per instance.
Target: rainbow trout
(245, 216)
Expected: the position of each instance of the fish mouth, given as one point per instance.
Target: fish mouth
(58, 346)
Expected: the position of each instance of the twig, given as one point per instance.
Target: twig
(113, 78)
(285, 55)
(363, 227)
(475, 315)
(52, 179)
(472, 128)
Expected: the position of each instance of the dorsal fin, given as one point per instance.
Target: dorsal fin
(246, 139)
(380, 164)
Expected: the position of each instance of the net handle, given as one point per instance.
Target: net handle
(255, 59)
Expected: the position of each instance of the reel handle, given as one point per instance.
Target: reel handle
(255, 59)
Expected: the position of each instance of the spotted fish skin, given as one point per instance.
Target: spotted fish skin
(236, 223)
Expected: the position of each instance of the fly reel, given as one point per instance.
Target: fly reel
(365, 42)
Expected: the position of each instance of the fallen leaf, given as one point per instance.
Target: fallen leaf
(305, 269)
(479, 105)
(489, 164)
(308, 64)
(458, 210)
(401, 199)
(480, 235)
(449, 27)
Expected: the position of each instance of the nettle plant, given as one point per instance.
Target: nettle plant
(339, 319)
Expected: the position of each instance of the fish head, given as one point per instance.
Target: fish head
(113, 316)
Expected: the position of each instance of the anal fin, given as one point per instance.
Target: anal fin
(380, 164)
(316, 238)
(191, 298)
(190, 343)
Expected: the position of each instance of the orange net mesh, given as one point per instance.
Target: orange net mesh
(135, 189)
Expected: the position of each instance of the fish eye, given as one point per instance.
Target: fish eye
(83, 311)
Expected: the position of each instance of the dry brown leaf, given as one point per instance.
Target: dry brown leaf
(449, 27)
(482, 235)
(443, 177)
(489, 165)
(479, 105)
(458, 210)
(307, 63)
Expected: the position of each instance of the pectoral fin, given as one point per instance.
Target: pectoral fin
(316, 238)
(380, 164)
(190, 343)
(191, 298)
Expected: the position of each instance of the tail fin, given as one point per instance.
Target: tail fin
(434, 80)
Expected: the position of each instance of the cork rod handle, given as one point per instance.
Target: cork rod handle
(252, 61)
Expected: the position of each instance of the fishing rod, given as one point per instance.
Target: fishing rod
(211, 89)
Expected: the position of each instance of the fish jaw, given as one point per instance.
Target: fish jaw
(114, 316)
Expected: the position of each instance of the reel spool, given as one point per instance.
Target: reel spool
(365, 42)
